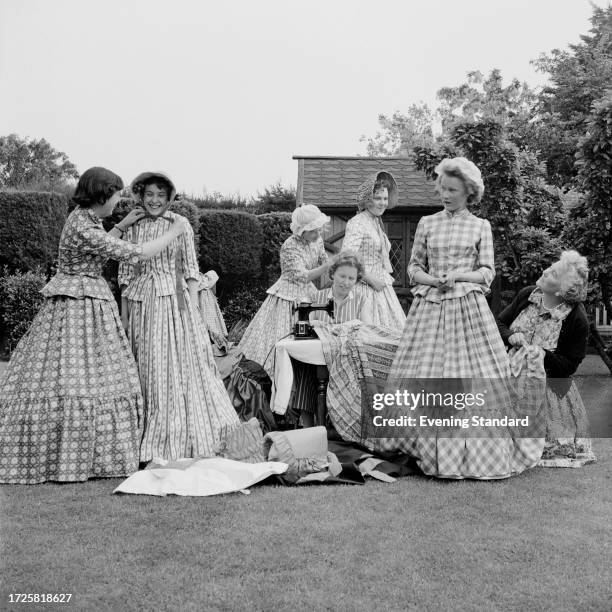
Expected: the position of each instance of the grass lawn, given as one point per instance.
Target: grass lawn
(540, 541)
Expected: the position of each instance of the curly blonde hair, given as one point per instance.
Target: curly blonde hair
(574, 283)
(467, 172)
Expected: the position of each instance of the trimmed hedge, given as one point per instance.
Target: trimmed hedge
(20, 300)
(275, 227)
(30, 228)
(231, 244)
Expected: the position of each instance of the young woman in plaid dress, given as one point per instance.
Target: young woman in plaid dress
(450, 331)
(70, 401)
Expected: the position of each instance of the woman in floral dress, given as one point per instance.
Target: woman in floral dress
(70, 400)
(365, 236)
(450, 331)
(302, 260)
(546, 328)
(186, 404)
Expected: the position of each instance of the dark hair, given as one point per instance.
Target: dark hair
(96, 186)
(347, 258)
(159, 181)
(381, 183)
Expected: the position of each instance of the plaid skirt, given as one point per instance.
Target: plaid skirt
(457, 338)
(70, 400)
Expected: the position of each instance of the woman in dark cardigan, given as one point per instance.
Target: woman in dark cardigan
(546, 328)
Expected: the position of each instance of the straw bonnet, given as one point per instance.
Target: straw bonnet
(365, 191)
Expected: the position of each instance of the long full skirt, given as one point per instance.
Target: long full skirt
(186, 404)
(458, 338)
(273, 321)
(70, 400)
(382, 307)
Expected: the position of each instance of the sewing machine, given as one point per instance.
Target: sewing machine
(303, 328)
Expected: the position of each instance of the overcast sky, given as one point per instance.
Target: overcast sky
(222, 94)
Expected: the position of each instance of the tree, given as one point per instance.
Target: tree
(481, 99)
(275, 198)
(401, 133)
(590, 230)
(33, 164)
(578, 78)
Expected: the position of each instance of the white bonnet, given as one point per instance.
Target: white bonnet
(306, 218)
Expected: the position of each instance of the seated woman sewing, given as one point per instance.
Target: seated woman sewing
(345, 272)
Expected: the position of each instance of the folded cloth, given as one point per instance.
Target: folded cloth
(244, 442)
(304, 450)
(198, 477)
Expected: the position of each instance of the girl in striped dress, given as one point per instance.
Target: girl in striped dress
(450, 331)
(365, 236)
(302, 260)
(186, 404)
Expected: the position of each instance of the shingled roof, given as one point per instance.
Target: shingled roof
(331, 182)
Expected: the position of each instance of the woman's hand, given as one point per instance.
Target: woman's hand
(376, 284)
(517, 339)
(136, 214)
(447, 281)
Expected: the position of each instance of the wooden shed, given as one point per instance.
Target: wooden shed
(331, 184)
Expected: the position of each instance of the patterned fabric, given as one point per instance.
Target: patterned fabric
(274, 320)
(452, 242)
(450, 339)
(211, 314)
(297, 258)
(365, 236)
(70, 401)
(186, 404)
(567, 442)
(346, 310)
(353, 353)
(161, 269)
(84, 248)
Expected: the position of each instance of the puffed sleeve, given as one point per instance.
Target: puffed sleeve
(353, 236)
(127, 270)
(418, 257)
(486, 258)
(292, 262)
(93, 239)
(190, 259)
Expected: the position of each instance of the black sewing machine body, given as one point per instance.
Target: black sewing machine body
(303, 329)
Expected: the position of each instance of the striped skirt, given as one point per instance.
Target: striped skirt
(382, 307)
(70, 401)
(186, 404)
(457, 338)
